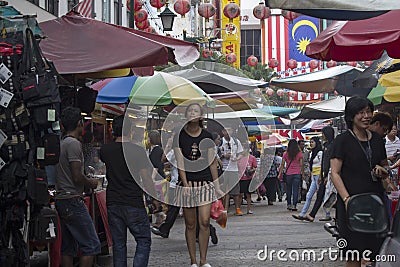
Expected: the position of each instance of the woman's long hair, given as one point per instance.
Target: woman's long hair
(315, 150)
(293, 149)
(329, 133)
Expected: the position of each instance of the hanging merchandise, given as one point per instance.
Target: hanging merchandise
(29, 123)
(252, 61)
(142, 25)
(273, 63)
(231, 58)
(137, 5)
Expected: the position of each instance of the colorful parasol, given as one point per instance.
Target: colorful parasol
(161, 89)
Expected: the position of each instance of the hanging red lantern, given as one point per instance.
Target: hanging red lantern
(292, 93)
(280, 92)
(273, 63)
(331, 64)
(137, 5)
(269, 92)
(206, 53)
(231, 58)
(261, 12)
(303, 95)
(292, 64)
(150, 29)
(368, 63)
(141, 15)
(231, 11)
(158, 4)
(182, 7)
(206, 10)
(352, 63)
(290, 15)
(252, 61)
(313, 64)
(142, 24)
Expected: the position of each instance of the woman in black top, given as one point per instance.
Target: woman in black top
(355, 153)
(195, 154)
(156, 152)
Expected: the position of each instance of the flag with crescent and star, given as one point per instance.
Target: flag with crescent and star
(301, 32)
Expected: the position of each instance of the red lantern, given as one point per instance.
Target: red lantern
(368, 63)
(142, 24)
(292, 93)
(313, 64)
(231, 58)
(206, 53)
(231, 11)
(273, 63)
(206, 10)
(141, 15)
(292, 64)
(269, 92)
(352, 63)
(261, 12)
(257, 91)
(137, 5)
(331, 64)
(182, 7)
(157, 4)
(280, 92)
(290, 15)
(252, 61)
(303, 95)
(150, 29)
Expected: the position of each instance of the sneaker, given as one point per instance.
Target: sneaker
(213, 235)
(258, 199)
(238, 212)
(250, 212)
(206, 265)
(194, 265)
(294, 209)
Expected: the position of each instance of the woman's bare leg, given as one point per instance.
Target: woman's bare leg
(190, 232)
(204, 235)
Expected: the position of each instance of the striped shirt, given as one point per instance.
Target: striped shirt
(392, 147)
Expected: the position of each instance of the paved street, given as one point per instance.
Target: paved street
(243, 237)
(239, 242)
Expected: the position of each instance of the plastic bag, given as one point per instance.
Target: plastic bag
(222, 218)
(216, 209)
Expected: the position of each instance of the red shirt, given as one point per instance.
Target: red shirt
(244, 163)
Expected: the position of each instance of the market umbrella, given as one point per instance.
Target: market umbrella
(79, 45)
(326, 109)
(161, 89)
(216, 82)
(337, 9)
(358, 40)
(339, 78)
(388, 88)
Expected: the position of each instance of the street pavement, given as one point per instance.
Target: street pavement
(239, 243)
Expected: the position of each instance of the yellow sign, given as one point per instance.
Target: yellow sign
(230, 33)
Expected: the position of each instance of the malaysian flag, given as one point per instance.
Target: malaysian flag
(283, 41)
(85, 8)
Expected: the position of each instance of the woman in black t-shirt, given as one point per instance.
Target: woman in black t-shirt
(195, 154)
(355, 154)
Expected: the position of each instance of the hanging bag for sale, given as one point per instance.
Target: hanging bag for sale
(37, 186)
(43, 227)
(39, 84)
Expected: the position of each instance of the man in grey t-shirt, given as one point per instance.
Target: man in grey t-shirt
(76, 224)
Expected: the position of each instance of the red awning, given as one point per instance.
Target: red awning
(79, 45)
(358, 40)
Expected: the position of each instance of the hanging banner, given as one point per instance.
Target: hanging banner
(230, 33)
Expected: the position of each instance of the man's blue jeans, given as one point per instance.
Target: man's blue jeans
(292, 185)
(121, 218)
(310, 194)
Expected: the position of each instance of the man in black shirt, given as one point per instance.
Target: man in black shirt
(125, 205)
